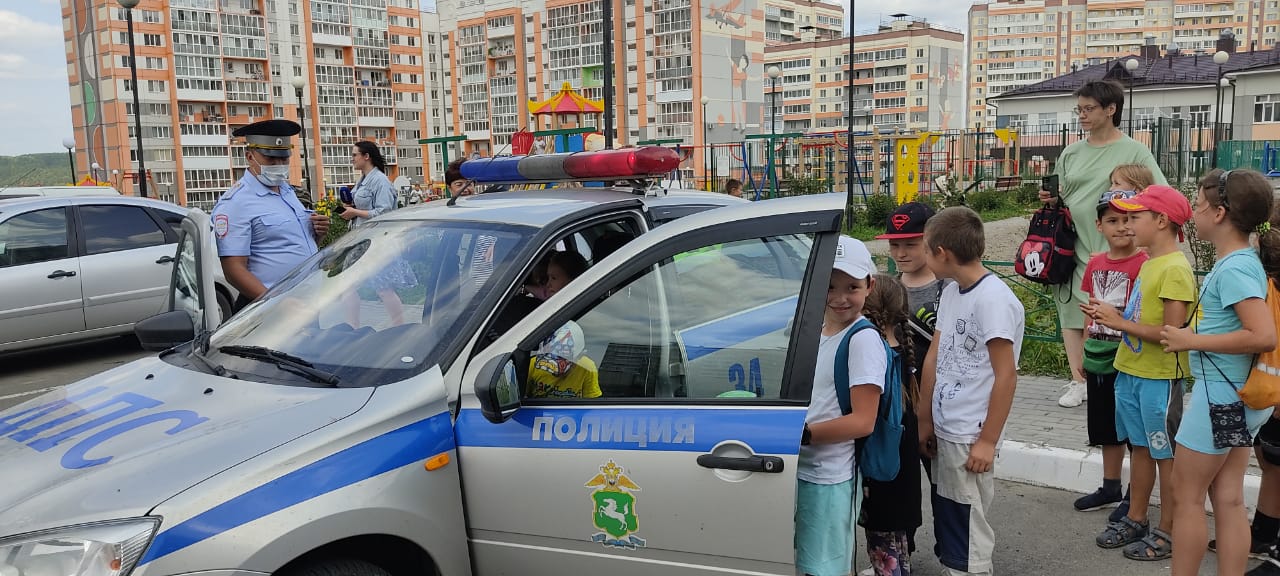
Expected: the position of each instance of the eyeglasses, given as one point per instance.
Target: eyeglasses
(1084, 109)
(1222, 190)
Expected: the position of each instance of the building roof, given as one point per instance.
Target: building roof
(1175, 70)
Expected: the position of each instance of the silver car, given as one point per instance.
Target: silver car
(373, 413)
(76, 268)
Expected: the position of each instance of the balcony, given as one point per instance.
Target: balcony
(503, 51)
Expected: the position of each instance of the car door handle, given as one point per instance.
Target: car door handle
(165, 260)
(62, 274)
(767, 464)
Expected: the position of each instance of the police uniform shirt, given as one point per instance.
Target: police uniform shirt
(272, 229)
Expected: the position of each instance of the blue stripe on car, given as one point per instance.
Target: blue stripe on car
(733, 330)
(365, 460)
(767, 430)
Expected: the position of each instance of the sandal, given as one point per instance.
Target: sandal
(1121, 533)
(1157, 545)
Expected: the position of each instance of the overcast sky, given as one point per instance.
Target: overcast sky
(35, 110)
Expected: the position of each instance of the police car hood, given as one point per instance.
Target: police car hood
(118, 443)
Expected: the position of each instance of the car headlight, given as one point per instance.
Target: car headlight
(100, 549)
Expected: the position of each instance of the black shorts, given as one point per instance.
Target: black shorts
(1102, 409)
(1270, 433)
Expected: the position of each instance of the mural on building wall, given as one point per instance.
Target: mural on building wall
(82, 15)
(946, 81)
(732, 68)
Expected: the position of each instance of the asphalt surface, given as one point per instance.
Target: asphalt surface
(26, 375)
(1039, 533)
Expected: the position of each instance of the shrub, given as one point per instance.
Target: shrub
(1027, 195)
(877, 210)
(1201, 250)
(987, 200)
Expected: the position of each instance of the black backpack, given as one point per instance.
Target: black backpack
(1048, 255)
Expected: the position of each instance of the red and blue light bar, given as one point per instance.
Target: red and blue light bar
(618, 164)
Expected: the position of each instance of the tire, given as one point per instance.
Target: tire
(339, 567)
(224, 305)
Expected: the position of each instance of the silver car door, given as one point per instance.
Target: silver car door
(125, 264)
(40, 279)
(191, 281)
(682, 468)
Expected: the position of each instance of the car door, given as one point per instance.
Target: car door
(191, 286)
(39, 276)
(125, 261)
(680, 465)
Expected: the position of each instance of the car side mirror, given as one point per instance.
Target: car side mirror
(164, 331)
(498, 389)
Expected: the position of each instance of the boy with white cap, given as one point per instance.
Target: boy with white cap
(824, 492)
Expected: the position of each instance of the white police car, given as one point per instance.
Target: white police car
(375, 412)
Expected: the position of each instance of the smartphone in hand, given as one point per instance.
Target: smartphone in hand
(340, 209)
(1050, 184)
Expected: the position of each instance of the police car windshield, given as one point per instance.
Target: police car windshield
(379, 305)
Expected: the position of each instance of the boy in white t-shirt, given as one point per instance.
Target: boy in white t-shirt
(824, 492)
(969, 377)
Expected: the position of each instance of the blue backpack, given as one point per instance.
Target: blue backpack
(879, 458)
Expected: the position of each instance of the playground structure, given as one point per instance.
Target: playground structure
(903, 165)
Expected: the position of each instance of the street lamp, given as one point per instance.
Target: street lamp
(70, 144)
(774, 72)
(1132, 66)
(94, 168)
(706, 165)
(128, 6)
(298, 83)
(1220, 58)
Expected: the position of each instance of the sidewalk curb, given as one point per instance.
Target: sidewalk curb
(1075, 470)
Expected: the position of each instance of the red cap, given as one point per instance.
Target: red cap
(1160, 199)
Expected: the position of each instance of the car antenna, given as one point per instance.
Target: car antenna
(18, 179)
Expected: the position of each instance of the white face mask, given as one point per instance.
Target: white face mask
(273, 175)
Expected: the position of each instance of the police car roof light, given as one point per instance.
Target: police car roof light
(602, 164)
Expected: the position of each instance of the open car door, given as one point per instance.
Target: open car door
(192, 291)
(669, 442)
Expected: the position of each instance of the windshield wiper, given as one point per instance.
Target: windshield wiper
(284, 360)
(198, 347)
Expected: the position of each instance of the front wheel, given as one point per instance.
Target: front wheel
(339, 567)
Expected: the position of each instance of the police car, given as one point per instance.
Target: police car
(371, 413)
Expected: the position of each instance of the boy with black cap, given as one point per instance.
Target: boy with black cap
(262, 229)
(904, 229)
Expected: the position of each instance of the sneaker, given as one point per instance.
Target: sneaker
(1101, 498)
(1074, 396)
(1270, 565)
(1122, 510)
(1259, 550)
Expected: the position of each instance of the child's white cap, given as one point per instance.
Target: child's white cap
(853, 258)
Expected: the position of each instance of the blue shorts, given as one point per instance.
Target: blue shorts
(1196, 431)
(1148, 412)
(824, 528)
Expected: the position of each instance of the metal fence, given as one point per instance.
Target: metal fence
(1260, 155)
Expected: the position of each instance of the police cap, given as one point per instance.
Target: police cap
(270, 137)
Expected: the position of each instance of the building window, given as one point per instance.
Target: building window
(1266, 108)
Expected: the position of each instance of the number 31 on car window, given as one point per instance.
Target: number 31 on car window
(751, 381)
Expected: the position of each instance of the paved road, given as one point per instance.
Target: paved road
(1039, 534)
(24, 375)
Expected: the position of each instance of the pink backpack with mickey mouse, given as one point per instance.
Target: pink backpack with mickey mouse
(1048, 254)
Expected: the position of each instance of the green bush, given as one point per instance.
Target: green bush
(877, 210)
(1027, 195)
(987, 200)
(934, 201)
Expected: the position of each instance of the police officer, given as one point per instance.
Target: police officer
(262, 230)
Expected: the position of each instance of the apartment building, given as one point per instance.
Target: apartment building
(668, 56)
(207, 67)
(908, 74)
(1014, 43)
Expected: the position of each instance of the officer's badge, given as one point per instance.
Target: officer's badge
(221, 224)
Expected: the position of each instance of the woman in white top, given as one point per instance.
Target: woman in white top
(373, 194)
